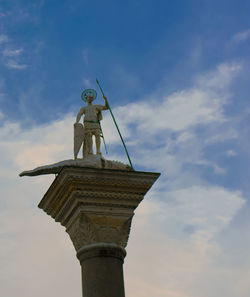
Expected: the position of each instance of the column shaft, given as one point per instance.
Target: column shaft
(102, 270)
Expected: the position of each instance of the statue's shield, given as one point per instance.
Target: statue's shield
(78, 138)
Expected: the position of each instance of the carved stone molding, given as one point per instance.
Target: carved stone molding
(96, 205)
(101, 249)
(89, 229)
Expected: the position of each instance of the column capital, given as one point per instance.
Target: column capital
(96, 205)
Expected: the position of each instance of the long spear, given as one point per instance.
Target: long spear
(116, 125)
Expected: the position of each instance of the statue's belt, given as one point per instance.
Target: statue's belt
(91, 122)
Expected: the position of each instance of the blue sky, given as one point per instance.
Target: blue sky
(176, 74)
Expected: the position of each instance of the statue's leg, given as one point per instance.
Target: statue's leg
(84, 149)
(98, 143)
(87, 144)
(90, 144)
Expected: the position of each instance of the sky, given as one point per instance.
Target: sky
(176, 74)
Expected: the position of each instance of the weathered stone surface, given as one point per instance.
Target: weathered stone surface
(96, 205)
(91, 161)
(102, 273)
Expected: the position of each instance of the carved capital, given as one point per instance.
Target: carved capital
(96, 205)
(88, 229)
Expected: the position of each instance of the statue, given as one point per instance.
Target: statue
(83, 134)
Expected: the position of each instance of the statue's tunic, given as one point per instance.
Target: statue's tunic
(92, 116)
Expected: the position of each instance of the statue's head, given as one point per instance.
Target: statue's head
(90, 98)
(88, 95)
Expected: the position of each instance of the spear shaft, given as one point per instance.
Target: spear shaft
(115, 125)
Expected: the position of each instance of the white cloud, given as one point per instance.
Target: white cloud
(168, 126)
(12, 64)
(210, 209)
(177, 112)
(217, 136)
(178, 267)
(85, 55)
(11, 53)
(220, 78)
(87, 83)
(178, 262)
(200, 105)
(217, 169)
(231, 153)
(3, 38)
(241, 36)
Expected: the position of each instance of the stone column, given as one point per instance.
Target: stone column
(97, 206)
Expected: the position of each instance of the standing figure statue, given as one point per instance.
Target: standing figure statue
(91, 125)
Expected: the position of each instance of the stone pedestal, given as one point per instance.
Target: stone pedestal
(97, 206)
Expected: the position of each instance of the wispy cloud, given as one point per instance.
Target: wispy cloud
(12, 64)
(87, 83)
(85, 55)
(231, 153)
(206, 219)
(11, 55)
(220, 78)
(3, 38)
(241, 36)
(199, 105)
